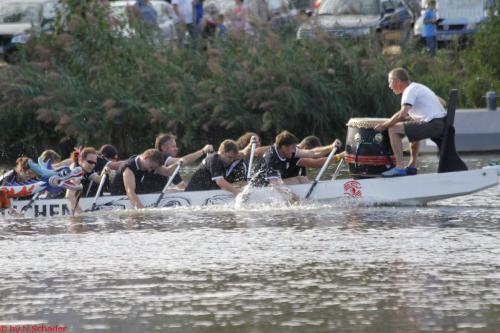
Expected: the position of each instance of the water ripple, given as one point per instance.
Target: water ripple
(310, 268)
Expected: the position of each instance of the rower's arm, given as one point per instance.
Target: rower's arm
(305, 153)
(324, 150)
(227, 186)
(193, 157)
(318, 151)
(259, 152)
(311, 162)
(96, 178)
(310, 153)
(129, 184)
(181, 186)
(167, 171)
(318, 162)
(115, 165)
(71, 197)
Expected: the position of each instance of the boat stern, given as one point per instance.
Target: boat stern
(494, 167)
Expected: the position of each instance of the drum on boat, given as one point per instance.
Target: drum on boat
(368, 152)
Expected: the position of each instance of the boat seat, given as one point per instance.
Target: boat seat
(449, 160)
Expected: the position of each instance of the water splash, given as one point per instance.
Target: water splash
(271, 195)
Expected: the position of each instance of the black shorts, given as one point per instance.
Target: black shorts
(417, 130)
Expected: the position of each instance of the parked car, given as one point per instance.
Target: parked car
(355, 18)
(457, 18)
(163, 9)
(18, 17)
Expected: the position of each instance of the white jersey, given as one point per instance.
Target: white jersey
(185, 8)
(425, 105)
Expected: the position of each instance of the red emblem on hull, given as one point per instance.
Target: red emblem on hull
(353, 189)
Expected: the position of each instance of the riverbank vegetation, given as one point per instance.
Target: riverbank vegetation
(87, 83)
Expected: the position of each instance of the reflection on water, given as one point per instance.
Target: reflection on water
(310, 268)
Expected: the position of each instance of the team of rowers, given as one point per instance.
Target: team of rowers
(282, 163)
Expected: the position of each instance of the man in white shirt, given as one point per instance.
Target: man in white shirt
(426, 112)
(183, 18)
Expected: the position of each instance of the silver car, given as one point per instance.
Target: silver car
(355, 18)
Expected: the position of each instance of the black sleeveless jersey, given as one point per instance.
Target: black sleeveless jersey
(155, 183)
(117, 186)
(211, 169)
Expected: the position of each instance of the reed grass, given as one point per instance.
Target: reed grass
(88, 84)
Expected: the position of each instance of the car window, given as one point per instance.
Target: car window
(350, 7)
(20, 13)
(391, 5)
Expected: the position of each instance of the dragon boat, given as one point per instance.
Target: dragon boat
(50, 179)
(409, 190)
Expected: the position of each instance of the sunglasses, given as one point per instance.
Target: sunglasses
(91, 162)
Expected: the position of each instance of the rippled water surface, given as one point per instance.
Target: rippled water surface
(308, 268)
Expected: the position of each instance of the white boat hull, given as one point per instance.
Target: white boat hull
(410, 190)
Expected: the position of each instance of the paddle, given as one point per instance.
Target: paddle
(337, 171)
(250, 161)
(30, 203)
(170, 180)
(78, 195)
(99, 190)
(320, 173)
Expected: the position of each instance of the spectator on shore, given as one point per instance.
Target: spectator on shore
(183, 18)
(220, 30)
(239, 16)
(148, 13)
(429, 29)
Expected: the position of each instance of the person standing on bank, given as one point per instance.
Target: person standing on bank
(148, 12)
(183, 18)
(426, 111)
(429, 29)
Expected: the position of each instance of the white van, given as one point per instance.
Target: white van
(458, 18)
(19, 16)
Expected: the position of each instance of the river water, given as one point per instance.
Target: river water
(307, 268)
